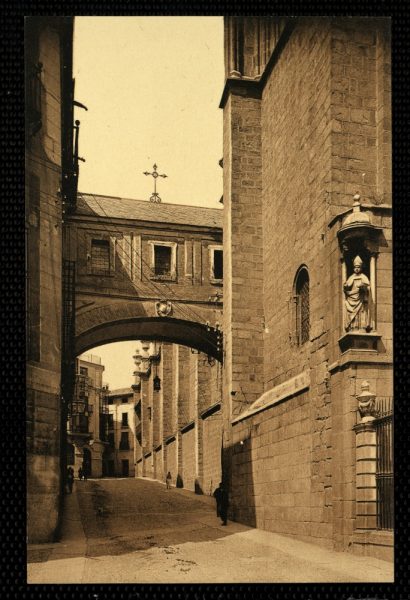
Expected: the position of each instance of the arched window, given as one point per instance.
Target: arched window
(302, 305)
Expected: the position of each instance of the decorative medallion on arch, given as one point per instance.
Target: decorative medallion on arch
(163, 308)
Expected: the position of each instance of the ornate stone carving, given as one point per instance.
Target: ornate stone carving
(358, 298)
(366, 400)
(163, 308)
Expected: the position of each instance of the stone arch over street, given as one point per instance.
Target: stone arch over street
(178, 331)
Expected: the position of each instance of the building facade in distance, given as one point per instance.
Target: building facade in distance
(119, 456)
(88, 418)
(308, 360)
(178, 407)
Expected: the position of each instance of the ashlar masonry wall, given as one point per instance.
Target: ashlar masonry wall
(321, 110)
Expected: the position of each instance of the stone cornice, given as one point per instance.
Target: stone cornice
(89, 220)
(360, 357)
(279, 393)
(210, 410)
(188, 426)
(253, 87)
(372, 207)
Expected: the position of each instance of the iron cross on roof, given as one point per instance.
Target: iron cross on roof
(155, 196)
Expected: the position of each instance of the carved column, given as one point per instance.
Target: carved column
(366, 498)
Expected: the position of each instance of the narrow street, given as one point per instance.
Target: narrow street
(136, 531)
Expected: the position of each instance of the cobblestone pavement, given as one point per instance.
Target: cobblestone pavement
(136, 531)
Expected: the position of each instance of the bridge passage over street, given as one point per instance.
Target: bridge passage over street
(146, 270)
(137, 531)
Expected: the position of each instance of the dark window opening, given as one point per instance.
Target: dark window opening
(124, 443)
(111, 440)
(125, 468)
(162, 258)
(83, 371)
(124, 422)
(110, 401)
(124, 399)
(302, 307)
(218, 264)
(110, 421)
(100, 257)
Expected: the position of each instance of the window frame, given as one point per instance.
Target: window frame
(301, 279)
(112, 242)
(212, 248)
(172, 275)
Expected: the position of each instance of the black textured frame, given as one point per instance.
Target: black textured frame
(13, 512)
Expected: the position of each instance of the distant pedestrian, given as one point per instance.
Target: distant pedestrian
(80, 473)
(222, 503)
(85, 473)
(70, 479)
(168, 480)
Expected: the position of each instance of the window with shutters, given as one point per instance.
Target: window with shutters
(302, 311)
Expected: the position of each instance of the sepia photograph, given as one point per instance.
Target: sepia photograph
(209, 313)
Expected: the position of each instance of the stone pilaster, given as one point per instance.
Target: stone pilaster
(366, 499)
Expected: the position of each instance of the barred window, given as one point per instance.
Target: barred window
(124, 421)
(302, 306)
(100, 257)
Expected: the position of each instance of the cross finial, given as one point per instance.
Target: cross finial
(155, 197)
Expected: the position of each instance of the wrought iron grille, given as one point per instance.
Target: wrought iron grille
(302, 307)
(384, 463)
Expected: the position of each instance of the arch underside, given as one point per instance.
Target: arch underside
(162, 329)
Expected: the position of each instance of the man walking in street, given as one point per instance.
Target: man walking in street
(70, 479)
(222, 503)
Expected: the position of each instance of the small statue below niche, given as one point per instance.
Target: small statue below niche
(358, 299)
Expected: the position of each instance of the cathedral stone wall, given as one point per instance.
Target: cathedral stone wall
(299, 143)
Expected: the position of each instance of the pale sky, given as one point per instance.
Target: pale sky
(152, 86)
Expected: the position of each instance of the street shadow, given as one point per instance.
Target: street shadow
(237, 459)
(111, 529)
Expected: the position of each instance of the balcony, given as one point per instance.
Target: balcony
(78, 424)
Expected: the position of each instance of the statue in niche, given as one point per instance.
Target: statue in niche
(357, 299)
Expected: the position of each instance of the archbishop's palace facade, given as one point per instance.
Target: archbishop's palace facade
(273, 373)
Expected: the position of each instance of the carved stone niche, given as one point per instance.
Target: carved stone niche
(359, 245)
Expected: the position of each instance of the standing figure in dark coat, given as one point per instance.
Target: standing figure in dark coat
(70, 479)
(222, 503)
